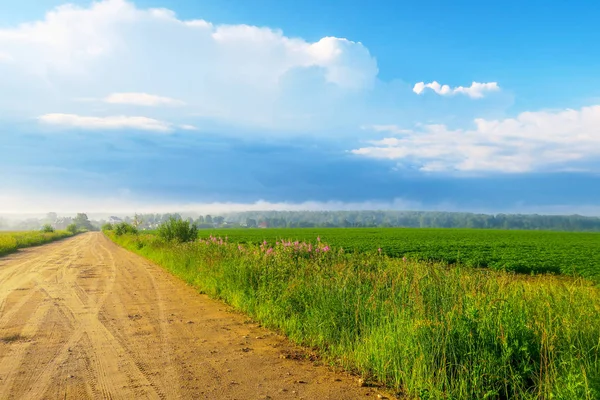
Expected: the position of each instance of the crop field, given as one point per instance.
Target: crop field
(11, 241)
(510, 250)
(425, 330)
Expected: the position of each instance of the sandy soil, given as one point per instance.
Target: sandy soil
(83, 318)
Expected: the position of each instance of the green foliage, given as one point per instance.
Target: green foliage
(415, 219)
(519, 251)
(426, 330)
(47, 228)
(72, 228)
(178, 230)
(83, 223)
(107, 227)
(125, 228)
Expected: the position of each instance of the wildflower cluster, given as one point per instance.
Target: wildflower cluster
(280, 247)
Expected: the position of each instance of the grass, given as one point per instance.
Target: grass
(425, 330)
(11, 241)
(571, 253)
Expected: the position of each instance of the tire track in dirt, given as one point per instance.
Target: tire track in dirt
(83, 318)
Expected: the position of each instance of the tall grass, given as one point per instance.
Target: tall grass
(8, 244)
(11, 241)
(428, 331)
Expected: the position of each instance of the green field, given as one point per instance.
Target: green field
(509, 250)
(425, 330)
(11, 241)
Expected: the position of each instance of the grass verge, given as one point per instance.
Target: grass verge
(428, 331)
(11, 241)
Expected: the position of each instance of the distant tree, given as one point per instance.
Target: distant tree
(72, 228)
(219, 220)
(47, 228)
(208, 219)
(107, 227)
(82, 222)
(51, 217)
(251, 223)
(137, 220)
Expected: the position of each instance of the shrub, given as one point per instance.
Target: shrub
(72, 228)
(107, 227)
(178, 230)
(124, 228)
(47, 228)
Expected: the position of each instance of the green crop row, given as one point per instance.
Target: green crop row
(509, 250)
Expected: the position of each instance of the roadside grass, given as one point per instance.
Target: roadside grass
(11, 241)
(425, 330)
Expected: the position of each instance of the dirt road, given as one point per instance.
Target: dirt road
(83, 318)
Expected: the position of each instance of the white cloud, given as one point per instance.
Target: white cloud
(142, 99)
(243, 74)
(393, 129)
(111, 122)
(531, 141)
(476, 90)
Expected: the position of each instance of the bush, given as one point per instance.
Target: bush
(47, 228)
(124, 228)
(178, 230)
(107, 227)
(72, 228)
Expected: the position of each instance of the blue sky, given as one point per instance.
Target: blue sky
(158, 105)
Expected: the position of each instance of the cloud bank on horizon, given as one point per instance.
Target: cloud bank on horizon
(476, 90)
(154, 77)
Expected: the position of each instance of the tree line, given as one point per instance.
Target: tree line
(356, 219)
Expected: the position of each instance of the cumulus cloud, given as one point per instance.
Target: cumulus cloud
(110, 122)
(141, 99)
(476, 90)
(531, 141)
(250, 75)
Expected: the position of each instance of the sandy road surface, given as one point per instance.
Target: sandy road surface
(83, 318)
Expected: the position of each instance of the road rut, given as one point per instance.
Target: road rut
(84, 318)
